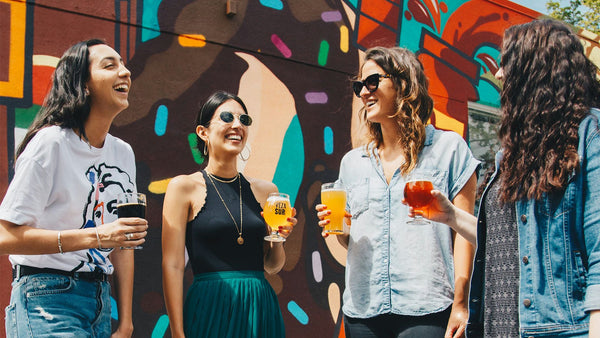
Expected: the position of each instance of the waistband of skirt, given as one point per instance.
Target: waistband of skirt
(228, 275)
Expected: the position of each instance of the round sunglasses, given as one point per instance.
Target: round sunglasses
(371, 83)
(228, 117)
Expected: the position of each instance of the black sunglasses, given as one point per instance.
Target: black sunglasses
(228, 117)
(371, 82)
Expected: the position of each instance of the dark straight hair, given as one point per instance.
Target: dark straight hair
(67, 104)
(207, 111)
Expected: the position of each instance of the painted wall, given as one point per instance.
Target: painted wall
(291, 62)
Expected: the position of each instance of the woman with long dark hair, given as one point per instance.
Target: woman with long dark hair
(58, 219)
(537, 266)
(402, 280)
(215, 215)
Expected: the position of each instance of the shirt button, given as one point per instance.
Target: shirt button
(527, 303)
(524, 218)
(525, 259)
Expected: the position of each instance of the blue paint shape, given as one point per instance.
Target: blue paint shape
(160, 124)
(297, 312)
(161, 327)
(150, 26)
(328, 140)
(114, 313)
(275, 4)
(290, 168)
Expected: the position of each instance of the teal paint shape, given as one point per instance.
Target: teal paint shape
(150, 26)
(275, 4)
(161, 327)
(160, 123)
(328, 140)
(114, 313)
(193, 142)
(24, 116)
(323, 53)
(290, 169)
(298, 312)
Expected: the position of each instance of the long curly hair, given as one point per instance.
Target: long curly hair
(549, 87)
(67, 103)
(414, 105)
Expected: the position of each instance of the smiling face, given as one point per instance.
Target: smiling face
(380, 104)
(225, 137)
(109, 80)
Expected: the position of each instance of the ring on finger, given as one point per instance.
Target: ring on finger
(128, 236)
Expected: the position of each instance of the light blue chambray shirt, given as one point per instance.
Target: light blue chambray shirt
(393, 267)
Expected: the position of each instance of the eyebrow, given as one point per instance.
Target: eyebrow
(111, 58)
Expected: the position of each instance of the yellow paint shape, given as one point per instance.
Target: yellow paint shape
(446, 122)
(192, 40)
(344, 39)
(45, 60)
(272, 107)
(159, 187)
(335, 300)
(16, 55)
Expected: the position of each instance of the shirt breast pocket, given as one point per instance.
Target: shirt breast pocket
(358, 197)
(439, 178)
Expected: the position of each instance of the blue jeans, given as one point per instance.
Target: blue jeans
(58, 306)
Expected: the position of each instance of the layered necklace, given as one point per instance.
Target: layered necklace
(240, 228)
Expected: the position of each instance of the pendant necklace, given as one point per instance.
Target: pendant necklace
(240, 239)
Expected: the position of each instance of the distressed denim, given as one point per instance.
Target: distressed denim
(391, 266)
(46, 305)
(559, 250)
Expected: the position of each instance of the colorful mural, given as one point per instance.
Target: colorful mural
(291, 62)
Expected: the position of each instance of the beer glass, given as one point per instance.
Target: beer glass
(334, 197)
(131, 204)
(276, 212)
(417, 193)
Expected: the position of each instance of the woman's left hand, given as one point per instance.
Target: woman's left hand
(285, 231)
(457, 323)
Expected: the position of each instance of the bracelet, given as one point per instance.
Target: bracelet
(98, 238)
(60, 244)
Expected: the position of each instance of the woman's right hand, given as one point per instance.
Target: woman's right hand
(123, 232)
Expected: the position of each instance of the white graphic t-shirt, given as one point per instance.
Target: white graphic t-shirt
(60, 183)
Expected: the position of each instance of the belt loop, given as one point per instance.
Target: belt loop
(17, 271)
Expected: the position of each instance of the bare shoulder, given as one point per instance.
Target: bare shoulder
(186, 184)
(261, 189)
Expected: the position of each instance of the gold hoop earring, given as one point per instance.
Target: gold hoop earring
(245, 158)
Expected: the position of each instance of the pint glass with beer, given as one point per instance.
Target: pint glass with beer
(334, 197)
(417, 193)
(276, 212)
(131, 204)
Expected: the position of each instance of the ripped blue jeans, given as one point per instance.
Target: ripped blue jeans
(58, 306)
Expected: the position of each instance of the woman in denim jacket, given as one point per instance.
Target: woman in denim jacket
(403, 280)
(537, 266)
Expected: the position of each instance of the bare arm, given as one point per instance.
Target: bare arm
(123, 262)
(27, 240)
(176, 209)
(594, 324)
(463, 265)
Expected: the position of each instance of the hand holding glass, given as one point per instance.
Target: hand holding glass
(131, 204)
(334, 197)
(417, 193)
(276, 212)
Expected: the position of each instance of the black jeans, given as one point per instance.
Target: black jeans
(397, 326)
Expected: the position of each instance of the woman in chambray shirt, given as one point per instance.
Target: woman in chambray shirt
(403, 280)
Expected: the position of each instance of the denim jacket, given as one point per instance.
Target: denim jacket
(559, 250)
(391, 266)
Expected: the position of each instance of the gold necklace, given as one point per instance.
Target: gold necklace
(240, 229)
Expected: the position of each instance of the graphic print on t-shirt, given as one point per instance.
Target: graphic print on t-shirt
(101, 205)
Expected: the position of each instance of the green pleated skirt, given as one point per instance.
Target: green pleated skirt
(232, 304)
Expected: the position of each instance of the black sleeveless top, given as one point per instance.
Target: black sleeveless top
(211, 237)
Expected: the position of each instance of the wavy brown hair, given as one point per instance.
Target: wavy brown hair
(414, 105)
(549, 87)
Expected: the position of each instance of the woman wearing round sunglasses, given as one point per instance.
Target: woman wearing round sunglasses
(216, 214)
(402, 280)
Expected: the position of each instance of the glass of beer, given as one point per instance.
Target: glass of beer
(276, 212)
(131, 204)
(334, 197)
(417, 193)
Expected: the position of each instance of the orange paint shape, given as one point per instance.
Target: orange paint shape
(41, 83)
(192, 40)
(382, 11)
